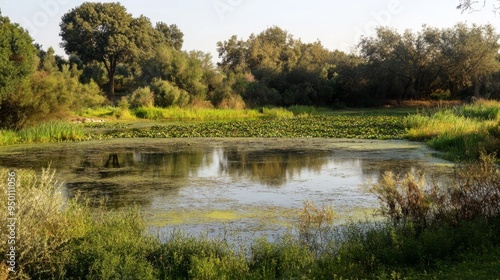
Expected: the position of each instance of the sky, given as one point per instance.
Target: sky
(337, 24)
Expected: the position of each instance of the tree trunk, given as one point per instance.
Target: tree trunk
(111, 92)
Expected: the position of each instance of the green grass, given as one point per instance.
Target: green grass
(461, 132)
(175, 113)
(43, 133)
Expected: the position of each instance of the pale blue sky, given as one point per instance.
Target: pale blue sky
(337, 24)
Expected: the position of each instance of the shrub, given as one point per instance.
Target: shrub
(313, 224)
(476, 191)
(166, 94)
(405, 200)
(44, 227)
(475, 195)
(113, 247)
(141, 97)
(183, 257)
(284, 259)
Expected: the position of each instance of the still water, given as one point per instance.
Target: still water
(215, 185)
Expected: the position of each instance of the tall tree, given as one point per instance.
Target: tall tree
(103, 32)
(18, 55)
(171, 35)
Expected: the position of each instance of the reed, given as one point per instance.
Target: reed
(461, 132)
(51, 132)
(196, 114)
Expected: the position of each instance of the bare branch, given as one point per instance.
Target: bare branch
(470, 6)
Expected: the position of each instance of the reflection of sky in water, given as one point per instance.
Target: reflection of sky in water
(335, 182)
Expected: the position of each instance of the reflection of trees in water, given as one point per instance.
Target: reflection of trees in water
(135, 177)
(270, 167)
(179, 165)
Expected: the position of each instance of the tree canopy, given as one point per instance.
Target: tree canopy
(103, 32)
(18, 55)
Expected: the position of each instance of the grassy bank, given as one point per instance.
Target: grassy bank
(461, 132)
(43, 133)
(429, 233)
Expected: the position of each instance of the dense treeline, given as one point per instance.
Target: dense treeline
(141, 64)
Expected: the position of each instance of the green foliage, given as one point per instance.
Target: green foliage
(51, 132)
(277, 113)
(413, 65)
(481, 110)
(113, 247)
(284, 259)
(8, 137)
(106, 33)
(171, 35)
(299, 110)
(166, 94)
(176, 113)
(182, 70)
(462, 133)
(183, 257)
(47, 96)
(43, 226)
(43, 133)
(141, 97)
(361, 127)
(18, 56)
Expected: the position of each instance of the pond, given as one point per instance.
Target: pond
(255, 186)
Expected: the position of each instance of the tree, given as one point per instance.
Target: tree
(171, 35)
(233, 54)
(415, 65)
(18, 55)
(106, 33)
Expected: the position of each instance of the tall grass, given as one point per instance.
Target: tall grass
(200, 114)
(43, 133)
(51, 132)
(462, 132)
(277, 113)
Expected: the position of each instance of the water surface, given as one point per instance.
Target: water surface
(251, 185)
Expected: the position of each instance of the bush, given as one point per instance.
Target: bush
(44, 227)
(166, 94)
(141, 97)
(314, 224)
(47, 97)
(475, 195)
(405, 200)
(183, 257)
(113, 247)
(284, 259)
